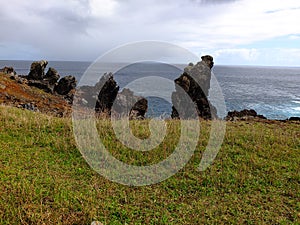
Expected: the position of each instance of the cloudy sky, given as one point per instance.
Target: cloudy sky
(235, 32)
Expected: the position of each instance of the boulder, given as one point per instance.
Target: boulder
(51, 76)
(195, 81)
(37, 70)
(127, 104)
(139, 109)
(65, 85)
(8, 70)
(48, 82)
(246, 114)
(41, 84)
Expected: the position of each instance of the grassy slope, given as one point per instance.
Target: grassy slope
(14, 93)
(44, 180)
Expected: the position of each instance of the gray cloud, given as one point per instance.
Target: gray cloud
(85, 29)
(213, 1)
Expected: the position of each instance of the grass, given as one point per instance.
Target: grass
(44, 179)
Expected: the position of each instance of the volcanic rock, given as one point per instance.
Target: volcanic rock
(107, 94)
(47, 83)
(41, 84)
(65, 85)
(8, 70)
(111, 102)
(195, 81)
(37, 70)
(127, 103)
(246, 114)
(52, 76)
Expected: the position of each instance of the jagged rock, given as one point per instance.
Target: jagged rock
(89, 94)
(65, 85)
(107, 94)
(41, 84)
(37, 70)
(52, 76)
(246, 114)
(195, 81)
(47, 83)
(110, 101)
(70, 96)
(127, 103)
(139, 109)
(8, 70)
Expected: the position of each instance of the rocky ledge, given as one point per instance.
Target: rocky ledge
(48, 93)
(37, 91)
(245, 115)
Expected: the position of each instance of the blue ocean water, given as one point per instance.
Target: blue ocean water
(272, 91)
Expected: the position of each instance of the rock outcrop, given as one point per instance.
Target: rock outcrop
(107, 94)
(106, 99)
(8, 70)
(127, 103)
(51, 77)
(195, 81)
(246, 114)
(65, 85)
(37, 70)
(15, 91)
(50, 82)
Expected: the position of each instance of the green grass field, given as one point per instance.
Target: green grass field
(255, 178)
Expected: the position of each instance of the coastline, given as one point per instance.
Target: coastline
(274, 99)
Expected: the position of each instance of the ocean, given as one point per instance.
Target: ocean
(271, 91)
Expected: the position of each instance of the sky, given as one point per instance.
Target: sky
(234, 32)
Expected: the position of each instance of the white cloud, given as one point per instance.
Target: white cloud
(294, 37)
(84, 29)
(263, 56)
(102, 8)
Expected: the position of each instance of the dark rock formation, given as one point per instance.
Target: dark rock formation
(294, 118)
(195, 81)
(37, 78)
(127, 103)
(107, 94)
(47, 83)
(139, 109)
(8, 70)
(37, 70)
(89, 94)
(246, 114)
(51, 76)
(110, 101)
(65, 85)
(41, 84)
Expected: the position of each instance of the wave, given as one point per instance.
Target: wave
(296, 101)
